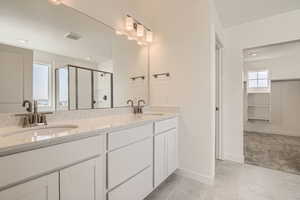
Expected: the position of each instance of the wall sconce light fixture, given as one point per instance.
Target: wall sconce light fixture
(129, 23)
(149, 36)
(134, 30)
(140, 30)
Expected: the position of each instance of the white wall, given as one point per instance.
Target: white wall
(129, 60)
(285, 67)
(184, 47)
(276, 29)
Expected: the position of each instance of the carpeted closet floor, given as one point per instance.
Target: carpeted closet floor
(273, 151)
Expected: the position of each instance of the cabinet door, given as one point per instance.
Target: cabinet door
(171, 142)
(83, 181)
(44, 188)
(159, 159)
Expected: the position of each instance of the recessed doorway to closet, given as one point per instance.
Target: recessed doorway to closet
(272, 106)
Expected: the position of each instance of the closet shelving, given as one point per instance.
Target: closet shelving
(259, 106)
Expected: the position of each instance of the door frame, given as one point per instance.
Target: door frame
(218, 91)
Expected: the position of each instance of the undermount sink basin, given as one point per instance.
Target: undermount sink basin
(42, 130)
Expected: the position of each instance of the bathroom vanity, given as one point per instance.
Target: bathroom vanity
(123, 160)
(77, 69)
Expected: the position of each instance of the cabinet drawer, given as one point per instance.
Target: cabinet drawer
(22, 166)
(128, 136)
(136, 188)
(128, 161)
(165, 125)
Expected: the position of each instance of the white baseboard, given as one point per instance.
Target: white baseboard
(234, 158)
(195, 176)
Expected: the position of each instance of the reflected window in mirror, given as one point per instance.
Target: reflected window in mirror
(62, 89)
(42, 84)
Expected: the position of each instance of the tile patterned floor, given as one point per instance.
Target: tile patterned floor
(273, 151)
(233, 182)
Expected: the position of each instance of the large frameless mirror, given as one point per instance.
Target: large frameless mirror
(65, 60)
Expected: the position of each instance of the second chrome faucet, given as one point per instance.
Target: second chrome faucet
(33, 117)
(137, 109)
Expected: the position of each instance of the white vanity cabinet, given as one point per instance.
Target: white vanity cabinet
(165, 150)
(124, 164)
(44, 188)
(76, 171)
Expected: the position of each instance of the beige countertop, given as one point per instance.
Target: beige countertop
(17, 139)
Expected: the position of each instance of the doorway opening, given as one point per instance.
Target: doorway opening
(271, 106)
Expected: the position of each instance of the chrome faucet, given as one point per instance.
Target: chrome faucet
(136, 109)
(140, 108)
(34, 118)
(26, 102)
(130, 102)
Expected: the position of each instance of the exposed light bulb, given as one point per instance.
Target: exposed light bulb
(118, 32)
(140, 30)
(23, 41)
(129, 23)
(149, 36)
(142, 43)
(252, 54)
(130, 38)
(55, 2)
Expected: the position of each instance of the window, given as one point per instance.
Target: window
(258, 81)
(42, 84)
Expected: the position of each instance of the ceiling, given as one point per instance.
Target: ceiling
(235, 12)
(43, 26)
(272, 51)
